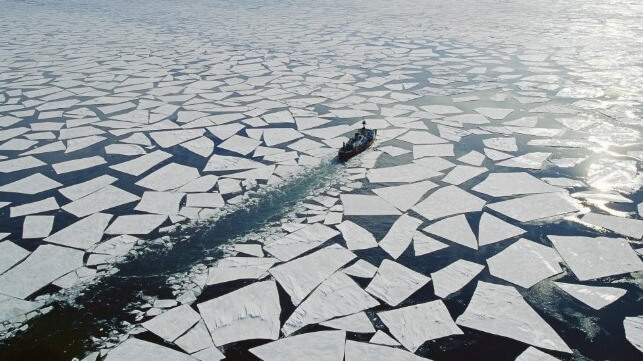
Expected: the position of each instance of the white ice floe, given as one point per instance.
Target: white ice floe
(237, 268)
(382, 338)
(11, 308)
(462, 173)
(173, 323)
(436, 164)
(202, 146)
(525, 263)
(136, 224)
(33, 184)
(230, 163)
(196, 339)
(43, 266)
(493, 229)
(139, 350)
(634, 331)
(48, 204)
(414, 325)
(357, 322)
(366, 205)
(10, 254)
(407, 173)
(455, 229)
(37, 226)
(533, 160)
(534, 354)
(160, 203)
(355, 236)
(473, 158)
(105, 198)
(239, 144)
(361, 269)
(394, 283)
(394, 151)
(496, 155)
(625, 226)
(300, 276)
(205, 200)
(83, 189)
(202, 184)
(433, 150)
(448, 201)
(405, 196)
(591, 258)
(314, 346)
(501, 310)
(399, 237)
(276, 136)
(534, 207)
(78, 164)
(421, 137)
(453, 277)
(169, 138)
(423, 244)
(338, 296)
(595, 297)
(169, 177)
(251, 312)
(494, 113)
(142, 164)
(83, 233)
(300, 241)
(359, 351)
(17, 164)
(512, 184)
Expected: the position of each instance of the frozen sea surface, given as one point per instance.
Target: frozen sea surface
(169, 188)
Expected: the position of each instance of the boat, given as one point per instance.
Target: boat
(362, 139)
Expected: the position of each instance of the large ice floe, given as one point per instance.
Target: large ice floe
(184, 164)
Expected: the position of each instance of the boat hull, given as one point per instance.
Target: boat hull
(346, 155)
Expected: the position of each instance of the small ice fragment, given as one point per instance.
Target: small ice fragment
(533, 160)
(432, 150)
(169, 177)
(634, 331)
(196, 339)
(41, 206)
(205, 200)
(472, 158)
(382, 338)
(106, 198)
(462, 173)
(394, 283)
(524, 263)
(78, 164)
(80, 190)
(361, 269)
(142, 164)
(10, 254)
(494, 113)
(504, 144)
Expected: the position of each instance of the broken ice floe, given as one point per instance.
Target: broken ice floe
(502, 311)
(525, 263)
(596, 257)
(453, 277)
(413, 325)
(315, 346)
(394, 283)
(594, 296)
(400, 235)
